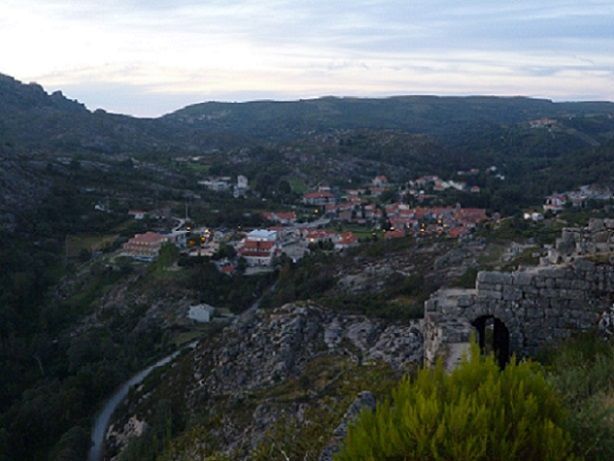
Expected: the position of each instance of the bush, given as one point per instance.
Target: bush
(477, 412)
(582, 370)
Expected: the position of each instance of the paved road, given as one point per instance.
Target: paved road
(103, 418)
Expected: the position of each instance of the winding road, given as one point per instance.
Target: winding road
(103, 418)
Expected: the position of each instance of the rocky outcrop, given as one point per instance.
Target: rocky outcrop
(288, 364)
(273, 346)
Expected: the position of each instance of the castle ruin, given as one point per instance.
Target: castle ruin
(518, 312)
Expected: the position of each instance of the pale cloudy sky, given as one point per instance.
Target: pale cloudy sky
(148, 57)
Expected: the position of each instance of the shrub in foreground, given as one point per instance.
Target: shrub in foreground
(477, 412)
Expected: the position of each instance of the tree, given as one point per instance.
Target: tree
(73, 446)
(284, 187)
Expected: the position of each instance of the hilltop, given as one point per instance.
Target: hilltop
(31, 120)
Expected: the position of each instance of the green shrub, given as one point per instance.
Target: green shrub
(477, 412)
(582, 370)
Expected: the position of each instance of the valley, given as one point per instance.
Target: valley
(281, 253)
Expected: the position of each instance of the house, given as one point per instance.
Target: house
(201, 313)
(533, 216)
(217, 184)
(426, 180)
(394, 234)
(555, 203)
(318, 235)
(440, 185)
(380, 182)
(345, 240)
(470, 216)
(475, 189)
(281, 217)
(354, 192)
(226, 266)
(242, 186)
(242, 182)
(458, 185)
(179, 238)
(319, 198)
(137, 214)
(259, 247)
(144, 247)
(457, 232)
(372, 212)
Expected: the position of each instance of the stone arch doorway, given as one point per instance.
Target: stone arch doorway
(493, 338)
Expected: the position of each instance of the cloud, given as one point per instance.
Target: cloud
(165, 52)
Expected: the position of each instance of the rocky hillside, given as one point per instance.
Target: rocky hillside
(23, 184)
(272, 383)
(33, 121)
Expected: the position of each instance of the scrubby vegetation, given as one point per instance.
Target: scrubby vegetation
(582, 371)
(562, 411)
(475, 413)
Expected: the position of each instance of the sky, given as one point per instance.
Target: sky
(150, 57)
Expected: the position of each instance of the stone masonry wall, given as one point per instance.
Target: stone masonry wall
(537, 305)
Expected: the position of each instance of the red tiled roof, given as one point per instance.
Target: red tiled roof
(456, 232)
(347, 238)
(148, 237)
(474, 215)
(394, 234)
(316, 195)
(279, 215)
(257, 244)
(319, 234)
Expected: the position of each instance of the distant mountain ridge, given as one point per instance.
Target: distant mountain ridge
(434, 115)
(33, 121)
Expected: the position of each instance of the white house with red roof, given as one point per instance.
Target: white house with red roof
(319, 198)
(555, 203)
(259, 247)
(345, 240)
(380, 181)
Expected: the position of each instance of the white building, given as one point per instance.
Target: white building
(201, 313)
(218, 184)
(259, 247)
(241, 187)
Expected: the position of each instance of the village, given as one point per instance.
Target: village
(325, 219)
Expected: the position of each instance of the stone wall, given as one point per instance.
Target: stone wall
(537, 305)
(596, 238)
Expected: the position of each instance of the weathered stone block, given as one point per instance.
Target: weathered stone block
(494, 278)
(522, 278)
(511, 293)
(490, 294)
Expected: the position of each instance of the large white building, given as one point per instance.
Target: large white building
(259, 247)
